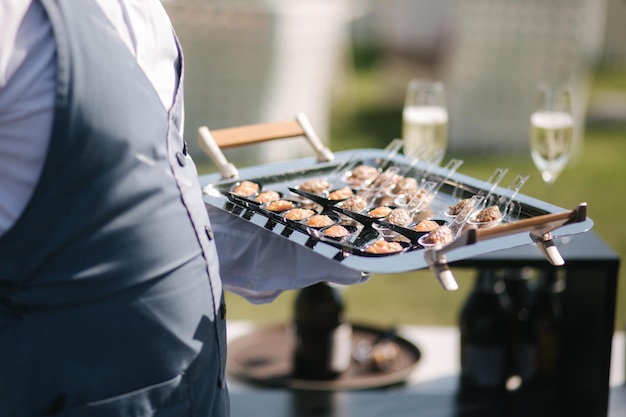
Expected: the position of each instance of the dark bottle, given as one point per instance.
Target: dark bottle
(521, 340)
(323, 336)
(547, 316)
(483, 326)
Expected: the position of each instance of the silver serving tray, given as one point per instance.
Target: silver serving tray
(536, 222)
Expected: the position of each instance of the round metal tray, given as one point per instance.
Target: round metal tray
(264, 357)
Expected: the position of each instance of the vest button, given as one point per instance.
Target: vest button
(182, 161)
(209, 232)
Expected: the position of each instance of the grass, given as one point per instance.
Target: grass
(365, 120)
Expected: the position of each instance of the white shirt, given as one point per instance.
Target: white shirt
(28, 80)
(27, 85)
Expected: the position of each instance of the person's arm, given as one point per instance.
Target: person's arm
(258, 265)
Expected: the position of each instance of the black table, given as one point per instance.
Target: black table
(399, 402)
(591, 272)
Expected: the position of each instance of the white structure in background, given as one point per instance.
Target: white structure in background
(610, 105)
(501, 49)
(614, 50)
(414, 27)
(254, 61)
(491, 53)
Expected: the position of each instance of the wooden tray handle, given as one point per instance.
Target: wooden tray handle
(212, 142)
(540, 228)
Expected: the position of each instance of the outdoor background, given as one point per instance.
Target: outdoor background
(347, 63)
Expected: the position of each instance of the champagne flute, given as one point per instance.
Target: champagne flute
(425, 119)
(551, 133)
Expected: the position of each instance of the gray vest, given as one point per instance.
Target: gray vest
(110, 297)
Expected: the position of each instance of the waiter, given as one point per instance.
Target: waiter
(111, 301)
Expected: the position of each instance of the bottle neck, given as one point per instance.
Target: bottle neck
(550, 281)
(320, 304)
(488, 282)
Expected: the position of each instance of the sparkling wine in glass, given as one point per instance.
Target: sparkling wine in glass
(425, 119)
(551, 129)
